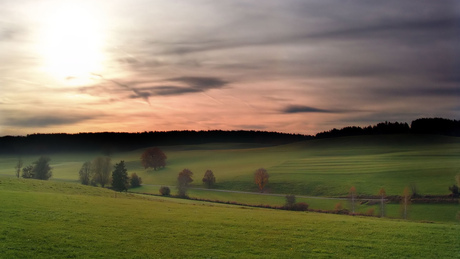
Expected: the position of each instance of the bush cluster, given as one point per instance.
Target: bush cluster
(165, 191)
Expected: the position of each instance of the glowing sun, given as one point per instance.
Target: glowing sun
(72, 43)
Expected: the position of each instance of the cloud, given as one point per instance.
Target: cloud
(391, 29)
(140, 91)
(304, 109)
(6, 34)
(45, 120)
(190, 85)
(202, 83)
(164, 91)
(406, 91)
(416, 31)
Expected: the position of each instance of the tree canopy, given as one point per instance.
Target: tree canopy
(153, 158)
(41, 168)
(209, 179)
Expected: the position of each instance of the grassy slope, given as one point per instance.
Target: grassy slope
(327, 167)
(46, 219)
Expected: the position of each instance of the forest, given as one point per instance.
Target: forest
(110, 142)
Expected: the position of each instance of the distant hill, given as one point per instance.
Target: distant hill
(118, 141)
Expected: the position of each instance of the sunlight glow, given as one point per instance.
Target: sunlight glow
(71, 44)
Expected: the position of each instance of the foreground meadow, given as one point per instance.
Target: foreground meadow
(66, 220)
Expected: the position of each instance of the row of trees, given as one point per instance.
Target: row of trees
(39, 169)
(99, 172)
(121, 141)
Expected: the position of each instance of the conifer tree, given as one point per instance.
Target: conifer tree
(120, 177)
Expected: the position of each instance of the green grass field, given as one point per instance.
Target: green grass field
(324, 167)
(46, 219)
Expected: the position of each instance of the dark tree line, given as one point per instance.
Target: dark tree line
(436, 126)
(109, 142)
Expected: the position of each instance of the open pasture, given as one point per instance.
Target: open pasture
(64, 220)
(324, 167)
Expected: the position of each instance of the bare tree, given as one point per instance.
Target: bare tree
(382, 195)
(18, 167)
(101, 167)
(290, 201)
(183, 180)
(85, 173)
(352, 196)
(261, 178)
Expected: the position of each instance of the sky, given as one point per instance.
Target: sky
(293, 66)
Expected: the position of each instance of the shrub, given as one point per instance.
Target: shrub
(455, 191)
(338, 206)
(165, 191)
(300, 206)
(370, 212)
(135, 181)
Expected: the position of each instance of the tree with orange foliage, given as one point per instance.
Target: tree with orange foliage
(154, 158)
(405, 202)
(261, 178)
